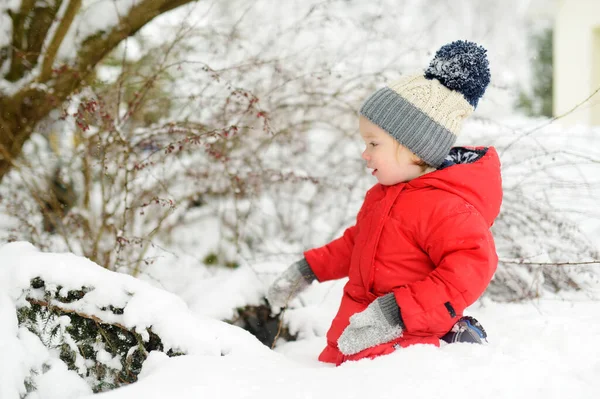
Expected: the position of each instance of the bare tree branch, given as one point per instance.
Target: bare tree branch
(62, 29)
(551, 121)
(519, 262)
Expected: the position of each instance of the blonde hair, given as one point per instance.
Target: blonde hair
(413, 157)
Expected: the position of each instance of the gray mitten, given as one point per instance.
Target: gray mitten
(290, 283)
(380, 322)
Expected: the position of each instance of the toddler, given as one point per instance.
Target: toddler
(421, 249)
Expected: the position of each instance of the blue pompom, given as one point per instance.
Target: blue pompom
(461, 66)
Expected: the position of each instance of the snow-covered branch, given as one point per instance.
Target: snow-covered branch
(69, 40)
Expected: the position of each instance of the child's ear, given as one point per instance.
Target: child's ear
(415, 158)
(418, 161)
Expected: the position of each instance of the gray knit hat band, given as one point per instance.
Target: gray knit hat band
(410, 126)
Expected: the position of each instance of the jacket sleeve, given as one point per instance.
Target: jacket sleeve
(462, 249)
(332, 261)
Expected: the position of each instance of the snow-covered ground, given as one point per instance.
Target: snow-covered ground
(546, 348)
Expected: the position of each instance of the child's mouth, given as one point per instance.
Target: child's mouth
(373, 173)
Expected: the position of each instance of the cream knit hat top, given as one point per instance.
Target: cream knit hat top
(425, 112)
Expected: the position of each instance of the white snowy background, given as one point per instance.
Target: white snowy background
(542, 348)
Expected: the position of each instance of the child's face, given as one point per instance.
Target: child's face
(390, 164)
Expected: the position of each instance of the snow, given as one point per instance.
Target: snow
(60, 383)
(537, 353)
(94, 17)
(544, 348)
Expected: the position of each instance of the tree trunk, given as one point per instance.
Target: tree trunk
(12, 137)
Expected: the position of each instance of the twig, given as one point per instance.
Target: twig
(518, 262)
(292, 294)
(530, 132)
(84, 315)
(279, 327)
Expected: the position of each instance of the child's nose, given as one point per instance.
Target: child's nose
(364, 155)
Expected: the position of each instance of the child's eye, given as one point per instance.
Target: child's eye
(373, 144)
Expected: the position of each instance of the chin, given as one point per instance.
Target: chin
(388, 183)
(391, 182)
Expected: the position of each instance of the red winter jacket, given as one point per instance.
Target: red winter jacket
(428, 241)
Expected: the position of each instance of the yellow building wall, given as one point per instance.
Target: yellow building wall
(577, 61)
(595, 101)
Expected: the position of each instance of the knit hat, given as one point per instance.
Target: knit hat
(425, 112)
